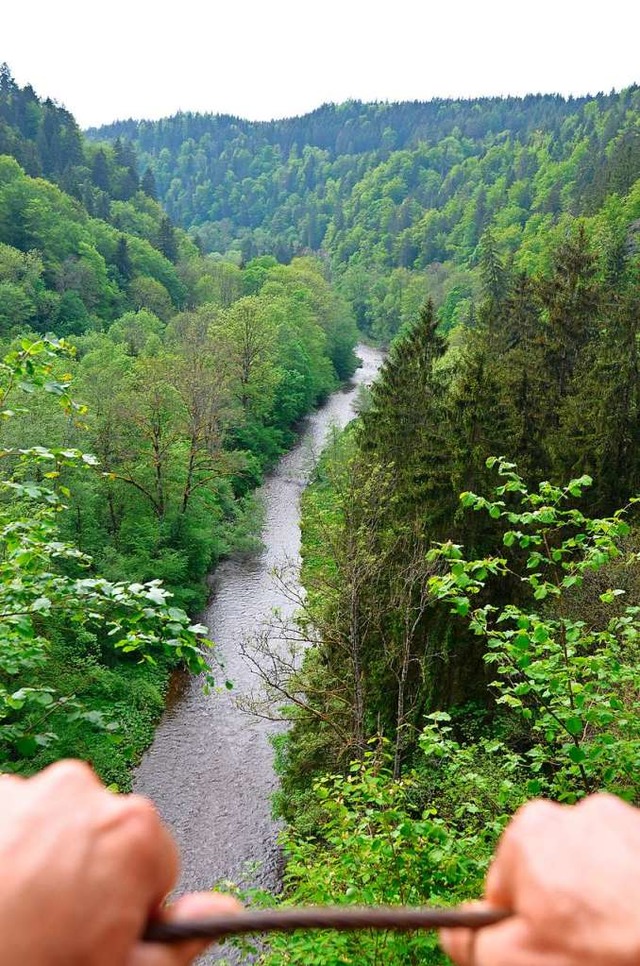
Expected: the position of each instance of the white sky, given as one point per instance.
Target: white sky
(274, 58)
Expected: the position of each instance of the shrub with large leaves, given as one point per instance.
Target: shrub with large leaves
(573, 677)
(48, 587)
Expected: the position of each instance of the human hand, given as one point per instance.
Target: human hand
(571, 875)
(82, 872)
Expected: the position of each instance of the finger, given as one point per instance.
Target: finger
(499, 887)
(607, 812)
(529, 825)
(511, 943)
(56, 798)
(459, 944)
(198, 905)
(146, 845)
(67, 778)
(10, 781)
(506, 944)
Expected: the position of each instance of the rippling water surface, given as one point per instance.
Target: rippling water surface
(210, 767)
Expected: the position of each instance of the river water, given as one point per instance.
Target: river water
(210, 768)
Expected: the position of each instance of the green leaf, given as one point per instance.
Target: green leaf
(157, 595)
(41, 604)
(27, 746)
(574, 726)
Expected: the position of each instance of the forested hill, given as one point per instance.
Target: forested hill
(354, 127)
(181, 379)
(399, 195)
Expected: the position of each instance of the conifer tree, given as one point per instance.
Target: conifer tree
(100, 171)
(492, 269)
(405, 425)
(167, 240)
(572, 299)
(148, 184)
(521, 378)
(599, 431)
(7, 83)
(122, 259)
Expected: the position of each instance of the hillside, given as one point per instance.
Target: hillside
(145, 388)
(398, 195)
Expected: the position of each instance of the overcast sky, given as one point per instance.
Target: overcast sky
(274, 58)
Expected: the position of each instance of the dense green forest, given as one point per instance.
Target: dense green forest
(398, 196)
(470, 616)
(471, 573)
(184, 375)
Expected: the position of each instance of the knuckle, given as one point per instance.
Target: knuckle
(602, 802)
(149, 840)
(538, 813)
(530, 818)
(11, 781)
(142, 826)
(70, 772)
(140, 815)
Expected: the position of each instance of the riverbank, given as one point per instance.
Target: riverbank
(133, 696)
(210, 767)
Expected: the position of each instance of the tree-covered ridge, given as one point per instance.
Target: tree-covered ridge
(65, 271)
(354, 127)
(46, 141)
(94, 239)
(399, 195)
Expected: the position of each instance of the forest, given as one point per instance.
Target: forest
(146, 389)
(398, 196)
(174, 297)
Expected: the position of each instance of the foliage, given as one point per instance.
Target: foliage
(189, 399)
(427, 836)
(520, 218)
(423, 839)
(576, 684)
(399, 196)
(47, 584)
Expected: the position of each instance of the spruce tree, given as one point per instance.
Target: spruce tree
(167, 240)
(521, 379)
(100, 171)
(571, 298)
(406, 425)
(492, 269)
(122, 259)
(7, 83)
(148, 184)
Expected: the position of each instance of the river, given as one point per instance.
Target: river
(210, 767)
